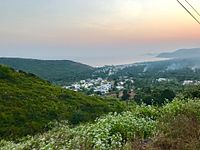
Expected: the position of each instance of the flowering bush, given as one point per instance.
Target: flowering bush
(109, 132)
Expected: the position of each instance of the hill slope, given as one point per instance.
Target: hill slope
(57, 71)
(28, 103)
(174, 126)
(182, 53)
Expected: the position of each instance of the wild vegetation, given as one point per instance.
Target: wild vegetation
(162, 115)
(173, 126)
(28, 103)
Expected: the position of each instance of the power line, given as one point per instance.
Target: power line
(192, 7)
(189, 11)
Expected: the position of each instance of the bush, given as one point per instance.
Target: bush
(175, 125)
(109, 132)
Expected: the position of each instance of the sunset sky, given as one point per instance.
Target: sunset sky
(96, 32)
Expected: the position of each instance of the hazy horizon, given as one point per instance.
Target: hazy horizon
(105, 62)
(95, 32)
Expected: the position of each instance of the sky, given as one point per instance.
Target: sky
(95, 32)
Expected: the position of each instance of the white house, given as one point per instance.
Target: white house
(188, 82)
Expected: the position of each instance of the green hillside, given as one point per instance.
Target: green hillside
(57, 71)
(28, 103)
(175, 126)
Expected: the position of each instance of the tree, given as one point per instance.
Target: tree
(125, 95)
(167, 94)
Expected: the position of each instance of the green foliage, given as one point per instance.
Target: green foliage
(28, 103)
(125, 95)
(146, 75)
(178, 126)
(175, 125)
(191, 91)
(155, 96)
(109, 132)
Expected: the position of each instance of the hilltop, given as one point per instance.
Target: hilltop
(28, 104)
(56, 71)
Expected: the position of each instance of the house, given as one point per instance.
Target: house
(188, 82)
(161, 79)
(119, 87)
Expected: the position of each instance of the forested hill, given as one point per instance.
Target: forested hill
(28, 104)
(56, 71)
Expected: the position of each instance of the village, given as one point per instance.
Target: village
(104, 87)
(115, 88)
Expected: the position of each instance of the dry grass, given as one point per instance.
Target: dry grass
(180, 133)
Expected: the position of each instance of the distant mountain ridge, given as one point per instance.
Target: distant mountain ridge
(182, 53)
(57, 71)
